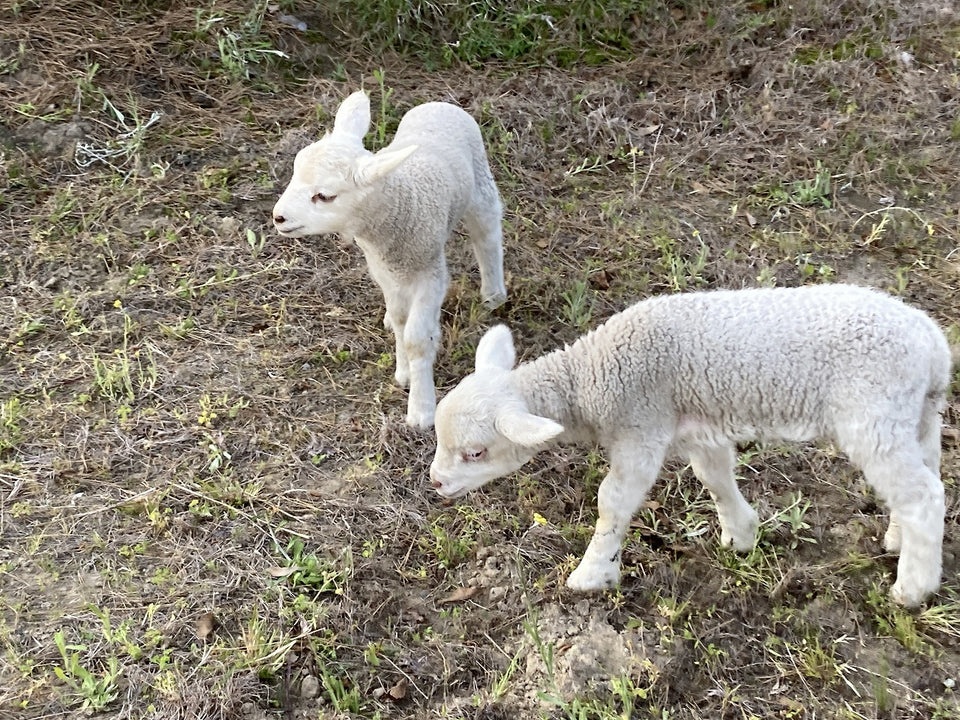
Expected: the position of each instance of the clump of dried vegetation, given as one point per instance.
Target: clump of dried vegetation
(209, 504)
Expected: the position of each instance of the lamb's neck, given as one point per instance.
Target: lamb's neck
(548, 386)
(384, 218)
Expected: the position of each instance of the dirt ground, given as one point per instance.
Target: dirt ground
(211, 505)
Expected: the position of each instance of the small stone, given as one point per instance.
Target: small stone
(309, 687)
(491, 565)
(484, 552)
(229, 226)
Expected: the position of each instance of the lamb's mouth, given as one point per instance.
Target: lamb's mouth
(289, 231)
(446, 495)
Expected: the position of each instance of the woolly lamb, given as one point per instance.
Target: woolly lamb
(694, 374)
(401, 205)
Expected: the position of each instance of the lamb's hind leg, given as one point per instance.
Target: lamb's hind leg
(713, 466)
(915, 496)
(483, 224)
(633, 470)
(929, 435)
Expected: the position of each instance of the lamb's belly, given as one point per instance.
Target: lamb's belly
(696, 431)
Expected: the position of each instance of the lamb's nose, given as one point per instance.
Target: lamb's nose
(436, 484)
(279, 219)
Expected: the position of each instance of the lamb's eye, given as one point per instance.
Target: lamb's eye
(320, 197)
(474, 455)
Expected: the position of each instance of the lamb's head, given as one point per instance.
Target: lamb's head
(332, 177)
(484, 430)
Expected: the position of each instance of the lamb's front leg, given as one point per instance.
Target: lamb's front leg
(395, 320)
(421, 339)
(632, 474)
(397, 296)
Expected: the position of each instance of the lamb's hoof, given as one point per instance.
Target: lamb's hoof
(908, 597)
(494, 301)
(742, 539)
(421, 419)
(589, 577)
(740, 545)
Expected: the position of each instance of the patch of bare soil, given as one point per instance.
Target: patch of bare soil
(210, 506)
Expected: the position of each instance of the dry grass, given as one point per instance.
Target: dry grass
(209, 496)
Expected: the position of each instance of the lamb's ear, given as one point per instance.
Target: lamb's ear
(371, 168)
(526, 429)
(496, 349)
(353, 116)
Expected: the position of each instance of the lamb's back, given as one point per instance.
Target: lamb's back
(758, 357)
(419, 204)
(445, 132)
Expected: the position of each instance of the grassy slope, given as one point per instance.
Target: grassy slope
(208, 492)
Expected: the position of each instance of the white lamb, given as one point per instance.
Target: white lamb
(401, 205)
(694, 374)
